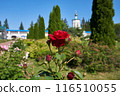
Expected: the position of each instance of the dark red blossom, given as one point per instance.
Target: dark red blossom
(70, 76)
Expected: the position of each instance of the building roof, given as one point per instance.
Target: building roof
(87, 31)
(46, 31)
(17, 30)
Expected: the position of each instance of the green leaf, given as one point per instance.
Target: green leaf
(78, 74)
(58, 74)
(49, 78)
(58, 56)
(63, 57)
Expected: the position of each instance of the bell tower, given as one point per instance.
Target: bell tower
(76, 21)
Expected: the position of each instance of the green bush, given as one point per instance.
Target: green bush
(18, 43)
(99, 58)
(9, 69)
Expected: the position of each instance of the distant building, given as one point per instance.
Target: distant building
(86, 33)
(76, 22)
(10, 34)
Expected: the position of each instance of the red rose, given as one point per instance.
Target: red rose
(58, 38)
(78, 52)
(70, 76)
(48, 58)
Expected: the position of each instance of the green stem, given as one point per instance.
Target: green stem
(50, 50)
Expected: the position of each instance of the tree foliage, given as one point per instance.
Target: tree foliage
(102, 25)
(117, 31)
(6, 24)
(41, 33)
(36, 31)
(54, 20)
(21, 26)
(75, 32)
(31, 32)
(64, 25)
(0, 23)
(85, 25)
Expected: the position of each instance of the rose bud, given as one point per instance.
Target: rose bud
(78, 52)
(25, 66)
(69, 39)
(48, 58)
(48, 42)
(70, 76)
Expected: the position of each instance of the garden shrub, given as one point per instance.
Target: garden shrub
(9, 69)
(18, 43)
(99, 58)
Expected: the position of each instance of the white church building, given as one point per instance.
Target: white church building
(76, 24)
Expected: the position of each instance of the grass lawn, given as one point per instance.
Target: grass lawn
(115, 75)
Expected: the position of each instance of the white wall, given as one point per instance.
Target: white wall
(76, 23)
(17, 34)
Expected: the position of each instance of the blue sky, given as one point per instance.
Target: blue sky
(28, 10)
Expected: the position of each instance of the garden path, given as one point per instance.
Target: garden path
(6, 43)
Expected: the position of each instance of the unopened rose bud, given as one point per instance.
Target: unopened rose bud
(70, 76)
(78, 52)
(69, 39)
(25, 66)
(48, 42)
(48, 58)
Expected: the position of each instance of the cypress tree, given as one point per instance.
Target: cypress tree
(36, 31)
(21, 26)
(6, 24)
(0, 23)
(50, 26)
(41, 28)
(102, 25)
(31, 32)
(58, 18)
(54, 20)
(38, 20)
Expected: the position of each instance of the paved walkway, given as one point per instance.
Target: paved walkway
(6, 43)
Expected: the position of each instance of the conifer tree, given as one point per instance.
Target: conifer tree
(0, 23)
(36, 31)
(58, 18)
(54, 20)
(38, 20)
(6, 24)
(21, 26)
(102, 25)
(51, 24)
(83, 24)
(31, 32)
(41, 28)
(87, 26)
